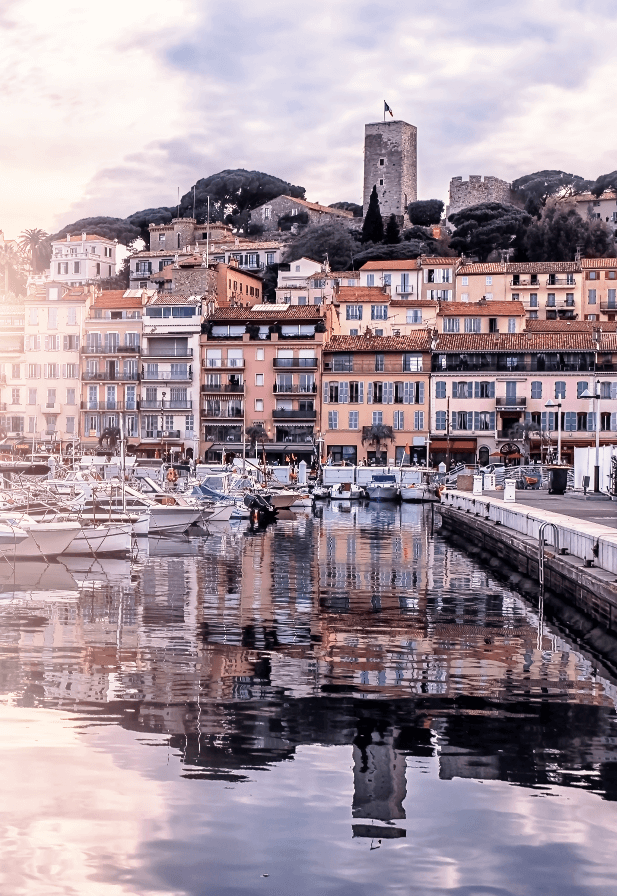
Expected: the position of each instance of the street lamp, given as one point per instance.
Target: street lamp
(551, 404)
(596, 397)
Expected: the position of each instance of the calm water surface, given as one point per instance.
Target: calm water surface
(343, 704)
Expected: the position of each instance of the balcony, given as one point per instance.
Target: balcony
(367, 365)
(223, 413)
(223, 363)
(160, 433)
(511, 403)
(295, 362)
(3, 406)
(561, 281)
(106, 376)
(404, 290)
(280, 414)
(224, 389)
(608, 306)
(526, 283)
(166, 353)
(166, 375)
(108, 406)
(104, 349)
(172, 405)
(294, 389)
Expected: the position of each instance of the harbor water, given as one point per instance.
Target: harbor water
(342, 703)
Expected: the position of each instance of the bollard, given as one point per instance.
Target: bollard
(509, 491)
(489, 482)
(477, 485)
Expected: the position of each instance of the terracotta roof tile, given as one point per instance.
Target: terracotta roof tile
(115, 298)
(362, 294)
(417, 341)
(482, 309)
(174, 298)
(316, 207)
(597, 263)
(514, 342)
(408, 264)
(414, 303)
(570, 326)
(589, 197)
(430, 260)
(276, 312)
(482, 268)
(76, 238)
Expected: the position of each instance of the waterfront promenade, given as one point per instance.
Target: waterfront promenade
(573, 504)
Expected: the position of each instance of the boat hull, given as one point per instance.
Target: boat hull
(419, 495)
(111, 538)
(381, 492)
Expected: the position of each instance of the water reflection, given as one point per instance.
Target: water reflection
(384, 663)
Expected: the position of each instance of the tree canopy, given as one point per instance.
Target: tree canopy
(489, 226)
(329, 241)
(603, 183)
(35, 246)
(535, 189)
(425, 212)
(348, 207)
(112, 228)
(234, 192)
(142, 219)
(372, 229)
(380, 252)
(392, 233)
(560, 231)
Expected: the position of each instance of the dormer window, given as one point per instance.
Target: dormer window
(52, 293)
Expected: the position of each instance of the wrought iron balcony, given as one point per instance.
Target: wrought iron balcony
(105, 349)
(224, 388)
(515, 403)
(282, 414)
(295, 362)
(181, 404)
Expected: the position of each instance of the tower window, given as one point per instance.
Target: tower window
(381, 182)
(381, 161)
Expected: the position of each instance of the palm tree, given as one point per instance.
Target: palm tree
(35, 246)
(376, 434)
(521, 432)
(10, 262)
(256, 434)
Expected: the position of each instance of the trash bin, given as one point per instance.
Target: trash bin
(558, 480)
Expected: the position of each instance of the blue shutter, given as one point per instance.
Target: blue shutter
(326, 387)
(591, 422)
(470, 390)
(453, 425)
(420, 393)
(407, 393)
(476, 420)
(613, 421)
(570, 421)
(469, 419)
(543, 421)
(492, 421)
(476, 389)
(527, 416)
(613, 390)
(369, 393)
(390, 389)
(360, 393)
(491, 390)
(343, 393)
(454, 390)
(440, 420)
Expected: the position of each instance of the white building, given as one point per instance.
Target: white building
(77, 260)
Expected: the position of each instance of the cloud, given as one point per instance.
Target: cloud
(118, 117)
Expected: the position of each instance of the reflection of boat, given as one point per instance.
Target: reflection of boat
(346, 491)
(382, 487)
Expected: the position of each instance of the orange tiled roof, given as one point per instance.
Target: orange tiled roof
(316, 207)
(591, 263)
(362, 294)
(483, 309)
(436, 260)
(417, 341)
(408, 264)
(174, 298)
(570, 326)
(275, 313)
(526, 341)
(76, 238)
(115, 298)
(487, 267)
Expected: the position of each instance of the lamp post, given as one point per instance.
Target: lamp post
(596, 398)
(551, 404)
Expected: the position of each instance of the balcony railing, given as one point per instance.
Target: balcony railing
(167, 353)
(361, 365)
(165, 375)
(561, 281)
(511, 402)
(102, 376)
(109, 406)
(524, 282)
(221, 413)
(223, 363)
(106, 349)
(224, 388)
(295, 389)
(160, 433)
(281, 414)
(404, 290)
(180, 404)
(608, 306)
(295, 362)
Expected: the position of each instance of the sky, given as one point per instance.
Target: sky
(110, 108)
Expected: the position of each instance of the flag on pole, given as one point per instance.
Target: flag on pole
(386, 108)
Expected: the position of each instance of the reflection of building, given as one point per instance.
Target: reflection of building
(379, 776)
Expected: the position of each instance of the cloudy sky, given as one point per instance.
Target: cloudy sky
(109, 108)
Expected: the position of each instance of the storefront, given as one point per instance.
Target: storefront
(453, 451)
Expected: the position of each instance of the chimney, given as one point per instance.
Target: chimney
(68, 237)
(83, 236)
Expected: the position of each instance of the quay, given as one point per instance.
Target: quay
(580, 579)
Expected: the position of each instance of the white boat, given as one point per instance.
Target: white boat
(10, 536)
(48, 539)
(303, 501)
(418, 493)
(346, 491)
(382, 487)
(281, 499)
(104, 538)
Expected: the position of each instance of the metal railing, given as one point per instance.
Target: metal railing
(281, 414)
(224, 388)
(295, 362)
(295, 389)
(162, 353)
(510, 402)
(101, 376)
(180, 404)
(106, 349)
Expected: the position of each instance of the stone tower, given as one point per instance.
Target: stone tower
(390, 164)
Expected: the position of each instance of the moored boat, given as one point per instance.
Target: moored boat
(382, 487)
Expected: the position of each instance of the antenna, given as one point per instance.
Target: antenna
(178, 201)
(193, 200)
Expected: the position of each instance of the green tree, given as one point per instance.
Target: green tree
(147, 216)
(110, 228)
(485, 228)
(329, 242)
(270, 279)
(392, 235)
(372, 229)
(35, 246)
(561, 231)
(603, 183)
(425, 212)
(377, 434)
(534, 190)
(14, 280)
(348, 207)
(235, 192)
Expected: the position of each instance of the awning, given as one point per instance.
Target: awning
(455, 444)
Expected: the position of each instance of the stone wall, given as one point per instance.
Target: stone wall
(390, 164)
(195, 281)
(285, 205)
(464, 193)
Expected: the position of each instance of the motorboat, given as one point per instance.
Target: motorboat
(346, 491)
(418, 493)
(382, 487)
(50, 539)
(102, 538)
(10, 536)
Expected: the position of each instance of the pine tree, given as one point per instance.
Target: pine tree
(393, 233)
(372, 229)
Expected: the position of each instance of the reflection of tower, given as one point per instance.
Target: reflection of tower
(390, 165)
(379, 776)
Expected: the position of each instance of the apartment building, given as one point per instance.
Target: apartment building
(13, 395)
(55, 317)
(76, 260)
(428, 278)
(308, 282)
(599, 289)
(169, 377)
(371, 310)
(481, 317)
(547, 290)
(484, 386)
(110, 359)
(375, 394)
(601, 208)
(261, 370)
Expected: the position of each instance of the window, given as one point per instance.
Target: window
(31, 396)
(511, 325)
(593, 275)
(462, 419)
(33, 317)
(387, 279)
(70, 396)
(70, 425)
(377, 418)
(353, 331)
(370, 279)
(414, 315)
(550, 300)
(464, 281)
(612, 298)
(489, 281)
(267, 213)
(412, 363)
(484, 421)
(270, 256)
(70, 371)
(451, 324)
(440, 421)
(533, 300)
(34, 371)
(259, 404)
(15, 396)
(51, 398)
(473, 324)
(353, 312)
(342, 363)
(76, 267)
(63, 267)
(380, 362)
(464, 297)
(515, 297)
(333, 392)
(536, 389)
(484, 389)
(71, 317)
(381, 161)
(439, 295)
(354, 419)
(379, 312)
(332, 419)
(381, 181)
(462, 390)
(418, 420)
(259, 379)
(440, 389)
(591, 296)
(51, 371)
(399, 420)
(533, 315)
(488, 295)
(378, 392)
(260, 354)
(581, 386)
(356, 393)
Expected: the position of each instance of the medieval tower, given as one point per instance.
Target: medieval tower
(390, 164)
